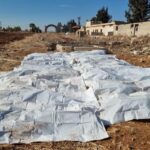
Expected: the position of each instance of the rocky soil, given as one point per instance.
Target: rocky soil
(12, 53)
(135, 50)
(134, 135)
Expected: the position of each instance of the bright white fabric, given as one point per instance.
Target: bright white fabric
(69, 96)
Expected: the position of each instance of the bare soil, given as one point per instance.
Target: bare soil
(133, 135)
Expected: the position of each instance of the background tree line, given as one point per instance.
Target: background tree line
(34, 28)
(139, 11)
(68, 27)
(12, 29)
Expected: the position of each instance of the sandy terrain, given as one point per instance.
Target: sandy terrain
(134, 135)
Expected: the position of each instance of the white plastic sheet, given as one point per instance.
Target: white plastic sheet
(69, 96)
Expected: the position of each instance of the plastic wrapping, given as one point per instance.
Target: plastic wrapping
(70, 96)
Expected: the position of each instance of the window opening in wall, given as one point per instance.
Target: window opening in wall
(132, 25)
(136, 27)
(116, 28)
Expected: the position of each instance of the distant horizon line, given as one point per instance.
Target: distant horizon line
(42, 26)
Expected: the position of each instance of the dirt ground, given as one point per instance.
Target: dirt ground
(12, 52)
(7, 37)
(134, 135)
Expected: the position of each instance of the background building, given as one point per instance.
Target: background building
(117, 28)
(97, 28)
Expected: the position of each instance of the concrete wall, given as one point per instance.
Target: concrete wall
(124, 30)
(81, 32)
(134, 29)
(144, 29)
(101, 29)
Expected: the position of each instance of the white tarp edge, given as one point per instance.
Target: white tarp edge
(69, 96)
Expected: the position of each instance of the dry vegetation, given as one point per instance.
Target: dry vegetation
(132, 49)
(7, 37)
(125, 136)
